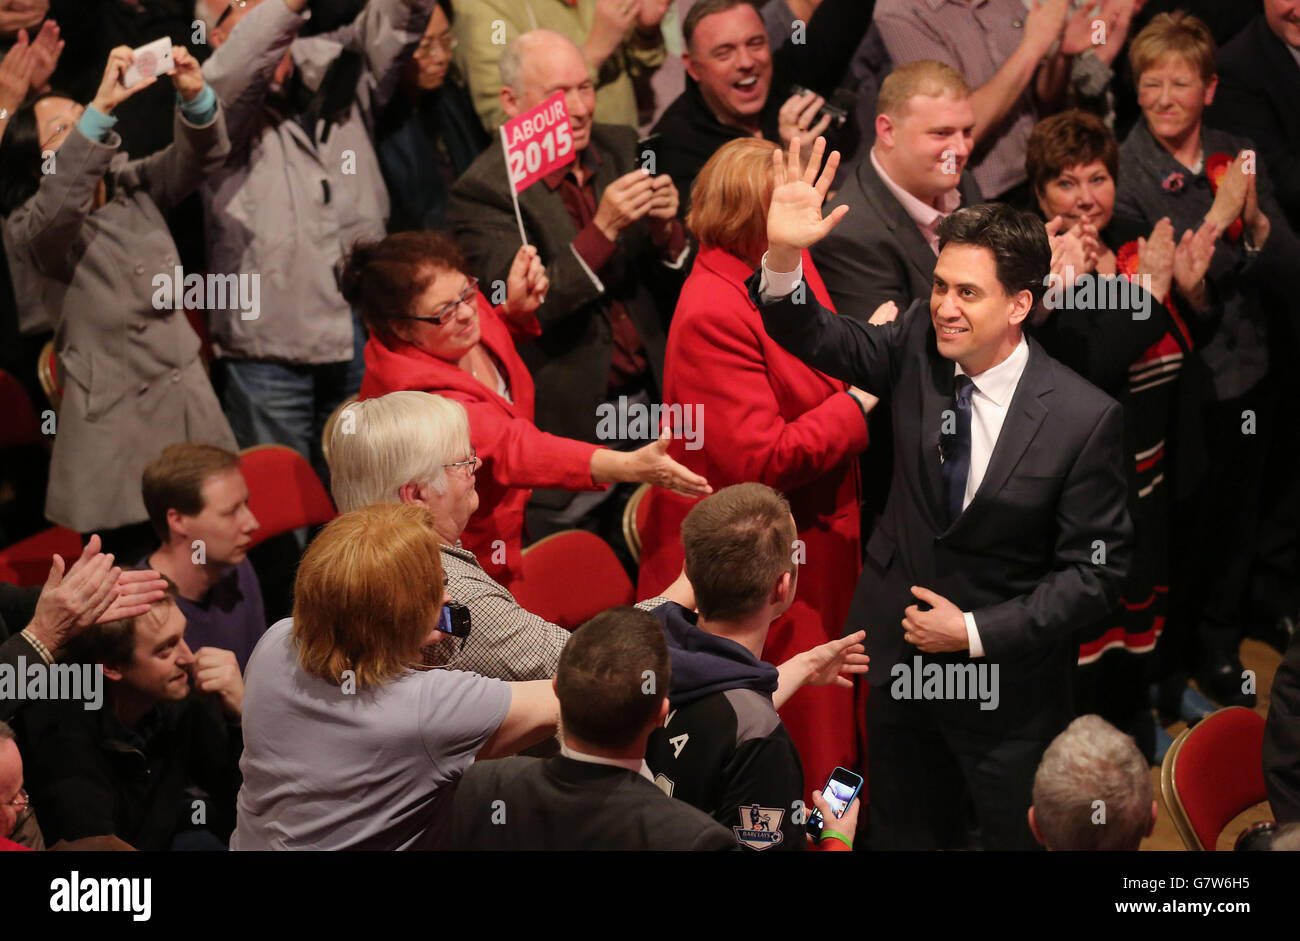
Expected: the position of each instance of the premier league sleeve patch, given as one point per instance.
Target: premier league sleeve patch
(760, 827)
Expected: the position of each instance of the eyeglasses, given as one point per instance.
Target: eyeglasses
(21, 802)
(471, 463)
(64, 124)
(446, 40)
(226, 12)
(448, 310)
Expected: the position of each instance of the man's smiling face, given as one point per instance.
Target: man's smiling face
(976, 322)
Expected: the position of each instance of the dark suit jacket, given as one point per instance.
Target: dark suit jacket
(562, 804)
(877, 253)
(570, 360)
(1021, 556)
(1282, 740)
(1259, 87)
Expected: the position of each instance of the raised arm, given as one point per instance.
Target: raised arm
(386, 33)
(533, 716)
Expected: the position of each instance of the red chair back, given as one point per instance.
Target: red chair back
(1212, 773)
(19, 423)
(284, 492)
(571, 576)
(27, 562)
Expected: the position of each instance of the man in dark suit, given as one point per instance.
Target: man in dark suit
(605, 229)
(1007, 516)
(914, 176)
(597, 794)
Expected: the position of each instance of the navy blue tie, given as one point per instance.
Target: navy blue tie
(956, 449)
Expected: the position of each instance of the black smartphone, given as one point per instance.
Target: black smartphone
(454, 620)
(837, 114)
(840, 790)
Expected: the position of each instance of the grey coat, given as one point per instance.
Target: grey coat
(133, 380)
(288, 208)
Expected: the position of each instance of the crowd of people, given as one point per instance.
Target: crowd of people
(964, 329)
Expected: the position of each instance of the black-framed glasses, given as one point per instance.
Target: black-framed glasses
(473, 460)
(448, 310)
(226, 12)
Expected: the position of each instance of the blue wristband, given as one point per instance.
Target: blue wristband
(202, 109)
(95, 124)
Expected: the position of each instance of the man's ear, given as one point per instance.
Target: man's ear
(885, 129)
(663, 711)
(1022, 305)
(509, 101)
(1033, 826)
(175, 525)
(692, 69)
(111, 673)
(781, 589)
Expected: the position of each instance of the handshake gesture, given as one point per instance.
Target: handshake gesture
(794, 219)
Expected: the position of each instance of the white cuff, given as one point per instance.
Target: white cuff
(973, 635)
(777, 284)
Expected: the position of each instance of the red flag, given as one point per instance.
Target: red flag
(538, 142)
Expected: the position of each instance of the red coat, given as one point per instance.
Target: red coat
(516, 455)
(767, 417)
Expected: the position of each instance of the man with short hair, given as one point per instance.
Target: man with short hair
(198, 506)
(158, 765)
(722, 747)
(597, 794)
(605, 229)
(914, 177)
(1092, 790)
(1007, 515)
(14, 802)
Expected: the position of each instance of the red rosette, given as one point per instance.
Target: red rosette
(1215, 166)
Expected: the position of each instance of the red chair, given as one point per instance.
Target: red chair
(1212, 773)
(27, 562)
(19, 424)
(284, 492)
(571, 576)
(47, 371)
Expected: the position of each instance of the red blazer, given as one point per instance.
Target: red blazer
(516, 455)
(768, 417)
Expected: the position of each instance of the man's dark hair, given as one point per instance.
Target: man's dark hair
(1017, 240)
(174, 481)
(737, 542)
(614, 672)
(113, 643)
(707, 8)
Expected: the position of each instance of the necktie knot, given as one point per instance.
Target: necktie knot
(964, 389)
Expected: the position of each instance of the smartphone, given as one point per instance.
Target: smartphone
(151, 59)
(840, 790)
(838, 115)
(454, 620)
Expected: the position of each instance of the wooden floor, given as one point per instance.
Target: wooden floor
(1264, 660)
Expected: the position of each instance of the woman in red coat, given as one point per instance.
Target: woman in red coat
(759, 414)
(432, 330)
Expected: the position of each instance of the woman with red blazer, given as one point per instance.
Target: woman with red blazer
(761, 415)
(433, 331)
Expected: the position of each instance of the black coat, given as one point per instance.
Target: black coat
(1282, 739)
(17, 605)
(1021, 555)
(562, 804)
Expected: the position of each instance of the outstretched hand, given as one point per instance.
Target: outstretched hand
(794, 219)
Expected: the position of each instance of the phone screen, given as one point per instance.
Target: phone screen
(841, 787)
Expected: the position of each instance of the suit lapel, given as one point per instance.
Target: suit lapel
(936, 397)
(1025, 416)
(900, 224)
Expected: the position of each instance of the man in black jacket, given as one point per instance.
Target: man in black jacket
(1007, 516)
(596, 794)
(158, 766)
(722, 747)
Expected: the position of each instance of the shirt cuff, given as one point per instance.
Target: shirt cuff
(973, 635)
(593, 247)
(95, 124)
(778, 284)
(202, 109)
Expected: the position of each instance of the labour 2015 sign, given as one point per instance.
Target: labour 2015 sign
(538, 142)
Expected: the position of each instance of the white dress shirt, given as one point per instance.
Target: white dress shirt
(994, 388)
(635, 765)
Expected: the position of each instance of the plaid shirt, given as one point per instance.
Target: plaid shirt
(505, 641)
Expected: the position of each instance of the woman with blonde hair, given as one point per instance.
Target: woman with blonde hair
(767, 418)
(348, 742)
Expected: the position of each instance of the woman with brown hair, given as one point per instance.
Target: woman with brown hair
(432, 330)
(348, 742)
